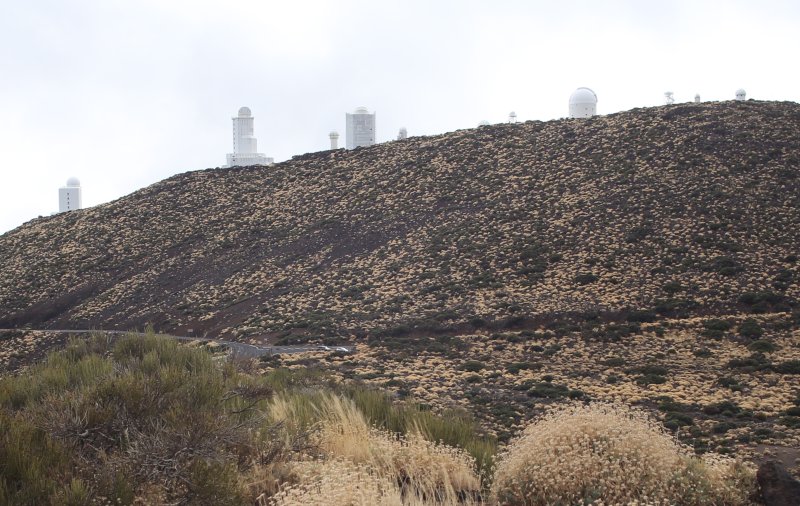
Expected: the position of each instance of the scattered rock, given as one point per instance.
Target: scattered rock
(778, 487)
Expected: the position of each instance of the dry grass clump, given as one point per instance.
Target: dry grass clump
(339, 482)
(612, 454)
(360, 464)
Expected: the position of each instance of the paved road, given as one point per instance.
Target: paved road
(242, 350)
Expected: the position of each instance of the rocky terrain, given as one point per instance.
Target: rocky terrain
(648, 257)
(683, 210)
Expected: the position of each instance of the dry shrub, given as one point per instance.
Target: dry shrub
(377, 466)
(339, 483)
(612, 454)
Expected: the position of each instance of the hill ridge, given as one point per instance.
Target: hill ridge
(676, 210)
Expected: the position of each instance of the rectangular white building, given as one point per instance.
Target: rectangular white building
(360, 128)
(69, 197)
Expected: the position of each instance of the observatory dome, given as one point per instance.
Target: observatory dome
(361, 110)
(741, 94)
(73, 181)
(244, 112)
(583, 96)
(582, 103)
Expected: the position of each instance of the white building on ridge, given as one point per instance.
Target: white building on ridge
(69, 197)
(582, 103)
(360, 128)
(245, 149)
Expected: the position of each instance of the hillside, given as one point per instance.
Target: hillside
(692, 209)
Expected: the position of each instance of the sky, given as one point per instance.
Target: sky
(123, 94)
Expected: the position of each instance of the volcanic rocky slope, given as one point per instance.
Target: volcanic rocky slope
(675, 211)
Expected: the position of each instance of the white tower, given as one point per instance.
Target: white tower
(697, 99)
(245, 149)
(512, 117)
(360, 128)
(669, 98)
(69, 197)
(402, 134)
(741, 94)
(334, 136)
(582, 103)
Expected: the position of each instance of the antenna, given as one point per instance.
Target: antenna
(512, 117)
(669, 97)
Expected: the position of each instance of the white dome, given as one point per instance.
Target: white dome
(583, 96)
(334, 133)
(361, 110)
(73, 181)
(741, 94)
(244, 112)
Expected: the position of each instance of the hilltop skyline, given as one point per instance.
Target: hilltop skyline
(122, 96)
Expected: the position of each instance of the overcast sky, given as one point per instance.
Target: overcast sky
(122, 94)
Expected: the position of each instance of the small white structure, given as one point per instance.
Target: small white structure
(483, 123)
(741, 94)
(697, 99)
(669, 98)
(69, 197)
(360, 128)
(402, 134)
(582, 103)
(512, 117)
(334, 137)
(245, 148)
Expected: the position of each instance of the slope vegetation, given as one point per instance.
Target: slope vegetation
(684, 210)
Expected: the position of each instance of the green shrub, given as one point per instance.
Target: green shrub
(516, 367)
(473, 366)
(753, 363)
(762, 346)
(726, 408)
(731, 383)
(585, 278)
(788, 367)
(31, 463)
(723, 265)
(750, 329)
(715, 328)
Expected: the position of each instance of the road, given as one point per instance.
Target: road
(239, 350)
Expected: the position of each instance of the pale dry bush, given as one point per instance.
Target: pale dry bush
(359, 464)
(612, 454)
(338, 483)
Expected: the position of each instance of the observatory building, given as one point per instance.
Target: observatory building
(741, 94)
(245, 151)
(402, 134)
(582, 103)
(69, 197)
(360, 128)
(334, 137)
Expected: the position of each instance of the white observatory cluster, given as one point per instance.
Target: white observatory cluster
(69, 196)
(245, 148)
(360, 128)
